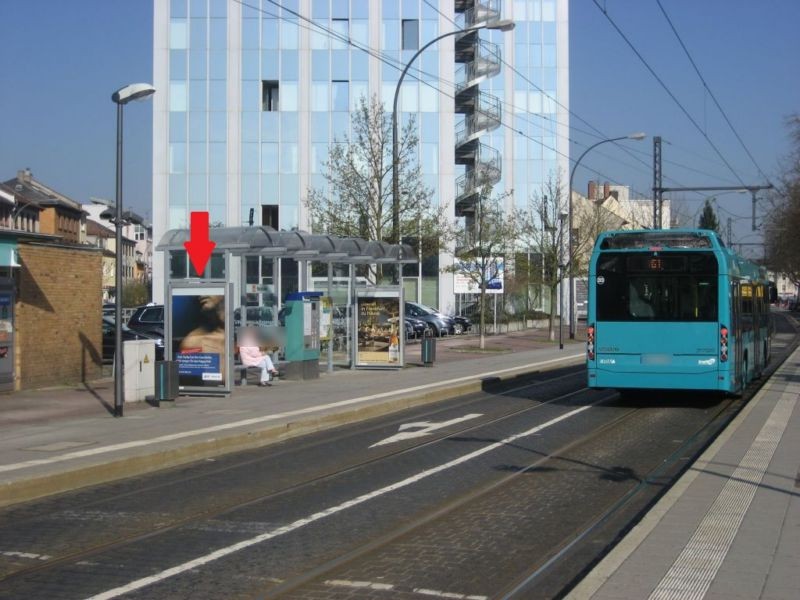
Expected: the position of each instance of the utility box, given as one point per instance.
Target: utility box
(139, 358)
(301, 317)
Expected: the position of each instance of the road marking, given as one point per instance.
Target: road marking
(389, 587)
(25, 555)
(360, 585)
(265, 419)
(424, 428)
(228, 550)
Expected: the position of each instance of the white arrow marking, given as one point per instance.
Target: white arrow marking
(423, 428)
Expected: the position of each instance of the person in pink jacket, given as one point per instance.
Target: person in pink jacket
(251, 355)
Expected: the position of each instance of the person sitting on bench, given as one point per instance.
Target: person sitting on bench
(251, 356)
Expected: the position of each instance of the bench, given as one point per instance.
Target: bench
(241, 372)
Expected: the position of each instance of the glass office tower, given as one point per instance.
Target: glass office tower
(252, 93)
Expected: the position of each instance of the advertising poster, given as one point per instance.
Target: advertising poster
(378, 315)
(198, 336)
(325, 318)
(466, 280)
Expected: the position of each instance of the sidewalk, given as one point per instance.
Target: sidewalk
(61, 439)
(730, 527)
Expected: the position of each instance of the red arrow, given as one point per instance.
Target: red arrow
(199, 246)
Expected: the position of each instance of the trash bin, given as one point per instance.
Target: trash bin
(428, 350)
(166, 380)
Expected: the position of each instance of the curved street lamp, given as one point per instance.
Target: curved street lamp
(129, 93)
(633, 136)
(500, 25)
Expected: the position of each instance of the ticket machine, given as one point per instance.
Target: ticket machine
(301, 318)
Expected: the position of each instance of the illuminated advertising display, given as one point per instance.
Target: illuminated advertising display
(379, 333)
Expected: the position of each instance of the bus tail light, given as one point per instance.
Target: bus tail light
(723, 344)
(590, 342)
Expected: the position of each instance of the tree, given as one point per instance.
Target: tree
(708, 218)
(782, 222)
(487, 242)
(358, 173)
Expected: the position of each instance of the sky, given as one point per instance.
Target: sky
(61, 61)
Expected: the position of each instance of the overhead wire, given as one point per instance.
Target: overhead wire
(708, 89)
(668, 91)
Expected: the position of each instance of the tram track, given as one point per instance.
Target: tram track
(252, 462)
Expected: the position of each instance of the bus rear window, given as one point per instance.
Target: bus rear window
(657, 287)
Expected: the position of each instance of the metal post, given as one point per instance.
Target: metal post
(332, 331)
(119, 372)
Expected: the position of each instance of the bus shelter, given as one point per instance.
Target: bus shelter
(307, 294)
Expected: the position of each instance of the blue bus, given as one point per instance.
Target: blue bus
(675, 309)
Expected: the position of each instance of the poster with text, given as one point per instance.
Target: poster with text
(378, 315)
(198, 337)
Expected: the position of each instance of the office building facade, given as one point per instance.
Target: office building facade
(251, 95)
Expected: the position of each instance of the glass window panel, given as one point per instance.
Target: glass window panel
(520, 101)
(340, 64)
(391, 35)
(359, 66)
(319, 156)
(548, 10)
(198, 34)
(249, 192)
(410, 34)
(341, 29)
(269, 65)
(319, 126)
(520, 12)
(177, 8)
(391, 9)
(270, 126)
(319, 39)
(288, 66)
(218, 35)
(535, 149)
(198, 64)
(217, 94)
(269, 158)
(549, 55)
(289, 35)
(340, 125)
(534, 101)
(319, 65)
(430, 30)
(359, 32)
(177, 126)
(290, 190)
(197, 157)
(387, 96)
(535, 33)
(218, 8)
(197, 8)
(250, 158)
(250, 34)
(177, 220)
(216, 214)
(177, 34)
(217, 158)
(290, 218)
(177, 158)
(549, 77)
(177, 95)
(428, 99)
(521, 61)
(198, 194)
(178, 68)
(429, 65)
(198, 99)
(429, 127)
(250, 126)
(359, 8)
(340, 9)
(319, 9)
(409, 97)
(177, 190)
(217, 64)
(250, 10)
(269, 34)
(288, 96)
(549, 33)
(289, 127)
(250, 65)
(217, 126)
(288, 158)
(520, 147)
(269, 189)
(430, 158)
(410, 9)
(319, 96)
(548, 103)
(358, 90)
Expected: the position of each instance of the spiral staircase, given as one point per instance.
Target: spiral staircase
(477, 60)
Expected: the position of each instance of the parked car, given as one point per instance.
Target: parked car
(109, 339)
(109, 309)
(438, 323)
(463, 324)
(148, 319)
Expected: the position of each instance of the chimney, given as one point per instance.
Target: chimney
(25, 176)
(592, 191)
(606, 190)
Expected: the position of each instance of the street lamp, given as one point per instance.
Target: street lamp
(501, 25)
(129, 93)
(633, 136)
(562, 216)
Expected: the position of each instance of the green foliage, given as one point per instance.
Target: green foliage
(136, 293)
(708, 218)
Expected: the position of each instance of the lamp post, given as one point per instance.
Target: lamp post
(562, 216)
(633, 136)
(134, 91)
(501, 25)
